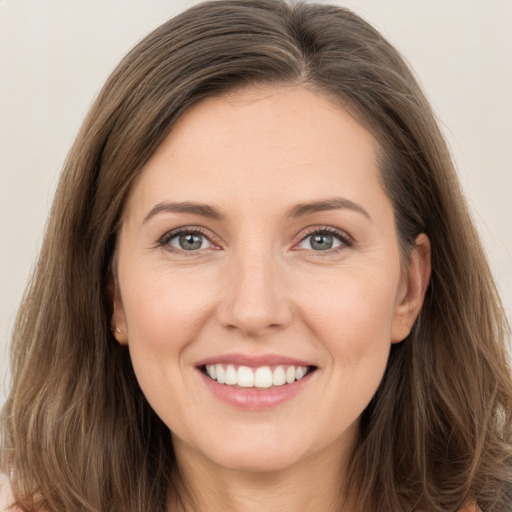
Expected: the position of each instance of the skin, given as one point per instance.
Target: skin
(257, 286)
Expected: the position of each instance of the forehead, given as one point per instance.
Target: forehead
(278, 144)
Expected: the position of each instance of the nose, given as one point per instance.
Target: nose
(255, 298)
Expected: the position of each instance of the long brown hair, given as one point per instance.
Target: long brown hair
(78, 434)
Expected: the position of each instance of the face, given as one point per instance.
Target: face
(259, 284)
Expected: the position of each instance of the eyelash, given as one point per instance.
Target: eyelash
(164, 240)
(344, 239)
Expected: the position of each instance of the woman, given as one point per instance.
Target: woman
(260, 288)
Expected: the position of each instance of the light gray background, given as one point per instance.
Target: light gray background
(56, 54)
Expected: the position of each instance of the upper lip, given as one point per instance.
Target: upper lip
(253, 361)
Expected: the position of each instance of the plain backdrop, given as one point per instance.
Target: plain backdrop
(56, 54)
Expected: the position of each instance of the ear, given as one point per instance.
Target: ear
(117, 321)
(412, 289)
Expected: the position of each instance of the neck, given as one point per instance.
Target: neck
(309, 485)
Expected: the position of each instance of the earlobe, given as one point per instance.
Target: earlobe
(413, 289)
(117, 321)
(120, 335)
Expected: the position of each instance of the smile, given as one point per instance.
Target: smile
(263, 377)
(256, 382)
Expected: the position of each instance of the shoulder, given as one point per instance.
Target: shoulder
(6, 498)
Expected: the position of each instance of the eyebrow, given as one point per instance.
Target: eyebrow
(203, 210)
(299, 210)
(335, 203)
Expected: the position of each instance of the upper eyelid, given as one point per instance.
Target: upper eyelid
(325, 229)
(215, 240)
(168, 235)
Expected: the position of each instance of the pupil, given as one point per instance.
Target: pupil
(321, 242)
(191, 241)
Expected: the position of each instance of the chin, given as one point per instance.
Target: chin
(256, 461)
(257, 455)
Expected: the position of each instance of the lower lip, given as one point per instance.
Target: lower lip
(255, 399)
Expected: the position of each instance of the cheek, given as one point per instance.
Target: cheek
(164, 308)
(349, 317)
(165, 314)
(353, 318)
(353, 307)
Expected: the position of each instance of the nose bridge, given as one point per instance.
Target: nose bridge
(255, 299)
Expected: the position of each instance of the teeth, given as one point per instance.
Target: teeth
(245, 377)
(279, 376)
(300, 372)
(221, 374)
(212, 371)
(261, 378)
(230, 375)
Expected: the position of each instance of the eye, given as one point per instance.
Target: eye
(325, 239)
(186, 240)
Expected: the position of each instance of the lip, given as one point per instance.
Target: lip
(253, 361)
(251, 399)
